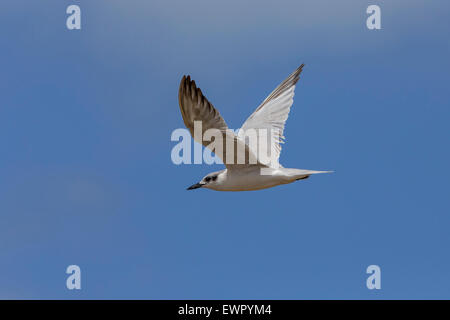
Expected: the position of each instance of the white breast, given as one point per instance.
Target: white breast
(251, 179)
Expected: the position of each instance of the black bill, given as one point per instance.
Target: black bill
(194, 186)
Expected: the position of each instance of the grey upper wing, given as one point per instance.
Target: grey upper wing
(195, 107)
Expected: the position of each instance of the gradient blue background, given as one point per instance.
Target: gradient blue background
(87, 179)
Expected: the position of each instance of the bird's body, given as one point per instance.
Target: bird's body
(250, 178)
(269, 117)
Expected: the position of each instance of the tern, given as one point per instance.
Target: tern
(270, 115)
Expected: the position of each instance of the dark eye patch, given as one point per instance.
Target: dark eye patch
(207, 179)
(214, 178)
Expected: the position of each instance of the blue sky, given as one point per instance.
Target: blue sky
(85, 124)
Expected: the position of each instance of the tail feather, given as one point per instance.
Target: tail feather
(300, 174)
(314, 171)
(295, 172)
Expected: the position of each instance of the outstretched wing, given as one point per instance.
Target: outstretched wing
(195, 107)
(271, 116)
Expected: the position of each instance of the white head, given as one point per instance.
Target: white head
(211, 181)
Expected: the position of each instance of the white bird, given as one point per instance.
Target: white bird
(270, 115)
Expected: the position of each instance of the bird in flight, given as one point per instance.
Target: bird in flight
(270, 116)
